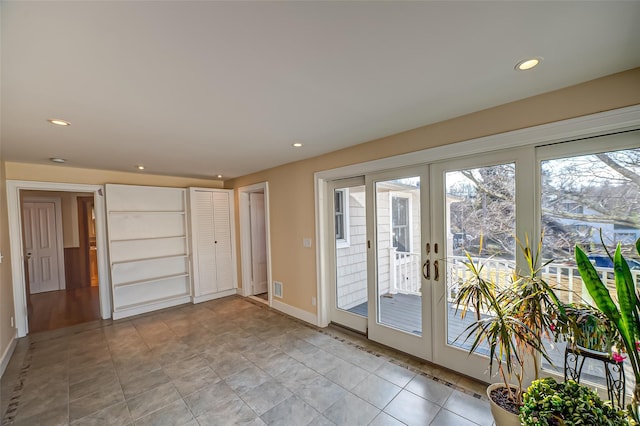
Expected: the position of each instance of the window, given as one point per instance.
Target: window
(400, 230)
(341, 202)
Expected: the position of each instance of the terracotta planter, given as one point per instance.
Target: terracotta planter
(501, 416)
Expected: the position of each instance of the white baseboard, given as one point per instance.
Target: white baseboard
(6, 356)
(211, 296)
(301, 314)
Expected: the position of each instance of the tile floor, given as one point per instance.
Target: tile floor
(229, 361)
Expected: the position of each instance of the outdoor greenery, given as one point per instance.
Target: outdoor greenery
(548, 403)
(580, 195)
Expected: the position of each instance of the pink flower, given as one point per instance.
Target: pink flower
(617, 357)
(552, 327)
(637, 346)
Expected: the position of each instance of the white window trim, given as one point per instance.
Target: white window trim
(398, 194)
(344, 242)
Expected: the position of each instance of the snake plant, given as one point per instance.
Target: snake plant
(625, 315)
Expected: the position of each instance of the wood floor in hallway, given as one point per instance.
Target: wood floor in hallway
(62, 308)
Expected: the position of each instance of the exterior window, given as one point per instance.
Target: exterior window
(400, 230)
(341, 202)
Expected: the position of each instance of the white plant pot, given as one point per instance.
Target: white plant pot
(501, 416)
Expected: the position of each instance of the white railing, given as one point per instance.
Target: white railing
(564, 278)
(405, 272)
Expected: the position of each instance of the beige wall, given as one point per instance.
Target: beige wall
(291, 186)
(6, 289)
(57, 173)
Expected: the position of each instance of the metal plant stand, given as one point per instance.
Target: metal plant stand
(574, 359)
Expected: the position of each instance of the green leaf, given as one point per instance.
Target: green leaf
(598, 291)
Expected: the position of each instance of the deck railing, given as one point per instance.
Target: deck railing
(565, 279)
(405, 272)
(406, 279)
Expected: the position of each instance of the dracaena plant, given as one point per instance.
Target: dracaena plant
(625, 315)
(512, 319)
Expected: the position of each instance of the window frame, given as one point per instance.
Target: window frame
(409, 225)
(343, 218)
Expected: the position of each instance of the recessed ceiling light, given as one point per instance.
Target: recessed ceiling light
(527, 64)
(296, 145)
(219, 176)
(58, 122)
(140, 167)
(57, 160)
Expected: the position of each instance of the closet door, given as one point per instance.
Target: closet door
(213, 245)
(225, 266)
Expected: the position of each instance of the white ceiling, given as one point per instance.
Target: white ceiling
(201, 88)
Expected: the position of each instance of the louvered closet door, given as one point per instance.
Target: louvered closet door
(204, 237)
(222, 242)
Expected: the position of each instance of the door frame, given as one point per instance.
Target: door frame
(245, 236)
(17, 250)
(57, 201)
(627, 118)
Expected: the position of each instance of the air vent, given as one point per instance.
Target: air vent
(277, 289)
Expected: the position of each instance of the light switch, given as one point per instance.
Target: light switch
(306, 242)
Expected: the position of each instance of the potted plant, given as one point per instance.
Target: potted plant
(512, 319)
(625, 315)
(548, 403)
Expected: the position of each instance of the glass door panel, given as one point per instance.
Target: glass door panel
(398, 226)
(475, 215)
(349, 298)
(397, 211)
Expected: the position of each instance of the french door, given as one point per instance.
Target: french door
(377, 257)
(419, 222)
(475, 213)
(398, 214)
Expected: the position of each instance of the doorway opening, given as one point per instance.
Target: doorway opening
(82, 250)
(254, 237)
(61, 268)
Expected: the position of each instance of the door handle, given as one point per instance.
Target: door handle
(426, 265)
(436, 272)
(28, 255)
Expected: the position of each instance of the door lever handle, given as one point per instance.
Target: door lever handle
(426, 275)
(436, 272)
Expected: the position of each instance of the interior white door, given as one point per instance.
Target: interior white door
(204, 237)
(258, 243)
(41, 246)
(222, 243)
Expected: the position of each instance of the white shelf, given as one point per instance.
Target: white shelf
(124, 240)
(143, 259)
(154, 302)
(181, 212)
(150, 280)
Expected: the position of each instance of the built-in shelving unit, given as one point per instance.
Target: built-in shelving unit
(148, 248)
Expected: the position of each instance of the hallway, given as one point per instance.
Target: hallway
(224, 362)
